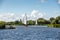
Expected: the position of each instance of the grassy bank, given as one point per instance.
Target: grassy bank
(53, 25)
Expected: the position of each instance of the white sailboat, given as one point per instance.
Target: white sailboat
(25, 20)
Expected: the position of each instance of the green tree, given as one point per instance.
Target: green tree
(30, 22)
(16, 22)
(47, 22)
(52, 18)
(52, 21)
(2, 24)
(10, 23)
(20, 22)
(58, 19)
(40, 21)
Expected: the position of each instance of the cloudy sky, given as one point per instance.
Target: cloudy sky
(11, 10)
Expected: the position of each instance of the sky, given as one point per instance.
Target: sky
(11, 10)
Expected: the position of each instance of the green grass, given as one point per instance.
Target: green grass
(53, 25)
(57, 25)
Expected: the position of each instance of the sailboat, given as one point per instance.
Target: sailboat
(25, 20)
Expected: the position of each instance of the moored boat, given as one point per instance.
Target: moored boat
(9, 27)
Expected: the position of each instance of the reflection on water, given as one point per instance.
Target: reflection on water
(30, 33)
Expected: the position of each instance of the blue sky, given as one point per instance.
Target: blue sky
(33, 9)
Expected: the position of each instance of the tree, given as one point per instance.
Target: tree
(40, 21)
(30, 22)
(58, 19)
(2, 24)
(20, 22)
(47, 22)
(10, 23)
(16, 22)
(51, 19)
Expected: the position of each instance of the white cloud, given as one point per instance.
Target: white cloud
(40, 15)
(12, 17)
(34, 12)
(37, 14)
(8, 17)
(22, 15)
(58, 1)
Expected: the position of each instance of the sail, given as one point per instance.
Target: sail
(25, 19)
(36, 22)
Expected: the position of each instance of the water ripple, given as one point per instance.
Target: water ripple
(30, 33)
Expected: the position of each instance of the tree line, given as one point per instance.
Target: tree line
(52, 22)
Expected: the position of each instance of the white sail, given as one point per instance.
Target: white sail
(25, 18)
(36, 22)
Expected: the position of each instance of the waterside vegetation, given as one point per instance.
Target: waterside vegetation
(52, 22)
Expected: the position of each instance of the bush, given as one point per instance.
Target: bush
(2, 24)
(57, 25)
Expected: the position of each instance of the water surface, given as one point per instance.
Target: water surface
(30, 33)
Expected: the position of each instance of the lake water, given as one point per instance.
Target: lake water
(30, 33)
